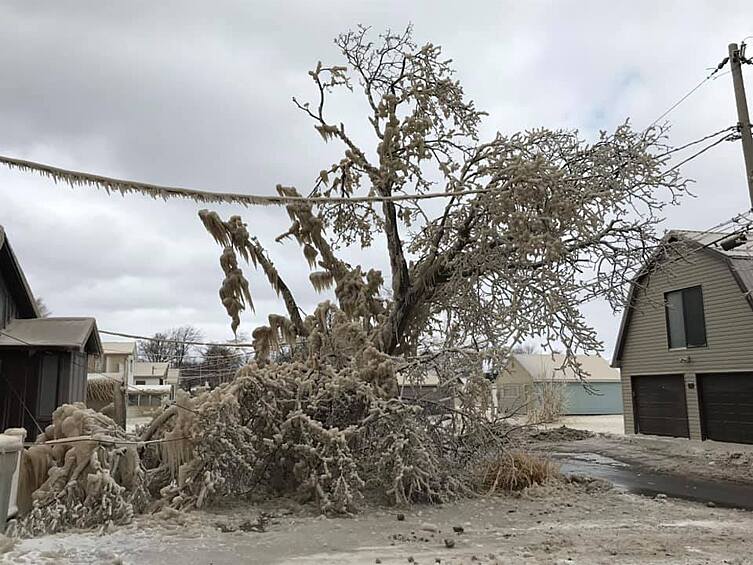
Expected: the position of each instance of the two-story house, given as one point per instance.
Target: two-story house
(116, 361)
(685, 345)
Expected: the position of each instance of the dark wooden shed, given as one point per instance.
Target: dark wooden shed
(42, 360)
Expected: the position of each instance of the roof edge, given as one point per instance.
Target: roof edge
(647, 270)
(19, 273)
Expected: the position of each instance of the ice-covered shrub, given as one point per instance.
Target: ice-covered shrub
(89, 483)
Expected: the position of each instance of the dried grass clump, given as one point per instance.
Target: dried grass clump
(513, 471)
(547, 403)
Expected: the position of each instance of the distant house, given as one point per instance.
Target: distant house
(427, 392)
(43, 361)
(151, 387)
(685, 346)
(116, 361)
(148, 384)
(525, 374)
(148, 373)
(114, 365)
(146, 399)
(173, 378)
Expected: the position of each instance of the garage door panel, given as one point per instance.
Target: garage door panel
(727, 406)
(659, 405)
(729, 431)
(663, 426)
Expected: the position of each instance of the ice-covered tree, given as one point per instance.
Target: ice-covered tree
(531, 226)
(536, 224)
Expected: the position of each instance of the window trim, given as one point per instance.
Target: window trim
(685, 319)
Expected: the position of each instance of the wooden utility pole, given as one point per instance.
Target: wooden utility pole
(743, 118)
(120, 402)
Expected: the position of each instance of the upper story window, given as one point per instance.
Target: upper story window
(686, 324)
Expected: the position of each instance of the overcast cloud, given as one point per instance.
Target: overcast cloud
(198, 94)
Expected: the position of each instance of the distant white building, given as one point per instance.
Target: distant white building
(148, 373)
(116, 362)
(152, 386)
(149, 384)
(173, 377)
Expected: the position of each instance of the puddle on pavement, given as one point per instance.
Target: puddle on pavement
(640, 480)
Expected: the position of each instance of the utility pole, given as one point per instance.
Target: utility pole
(120, 402)
(743, 118)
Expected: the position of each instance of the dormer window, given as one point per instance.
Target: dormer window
(686, 324)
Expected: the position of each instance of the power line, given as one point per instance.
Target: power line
(147, 338)
(702, 151)
(680, 101)
(697, 141)
(103, 441)
(719, 67)
(124, 186)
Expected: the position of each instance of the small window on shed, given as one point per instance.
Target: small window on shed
(686, 324)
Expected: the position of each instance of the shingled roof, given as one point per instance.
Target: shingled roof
(545, 367)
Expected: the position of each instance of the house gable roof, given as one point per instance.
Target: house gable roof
(143, 369)
(18, 286)
(119, 347)
(738, 260)
(68, 334)
(550, 367)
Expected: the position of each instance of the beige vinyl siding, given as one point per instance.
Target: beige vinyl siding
(729, 331)
(513, 387)
(729, 322)
(694, 412)
(627, 403)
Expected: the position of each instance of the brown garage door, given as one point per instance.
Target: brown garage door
(659, 405)
(727, 406)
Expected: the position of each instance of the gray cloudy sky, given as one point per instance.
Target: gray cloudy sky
(198, 94)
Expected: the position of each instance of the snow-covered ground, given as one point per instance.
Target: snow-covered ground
(610, 424)
(557, 524)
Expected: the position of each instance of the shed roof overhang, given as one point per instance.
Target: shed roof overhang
(52, 334)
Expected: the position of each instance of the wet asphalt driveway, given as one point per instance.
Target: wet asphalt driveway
(631, 476)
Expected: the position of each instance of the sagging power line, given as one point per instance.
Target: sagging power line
(156, 191)
(181, 342)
